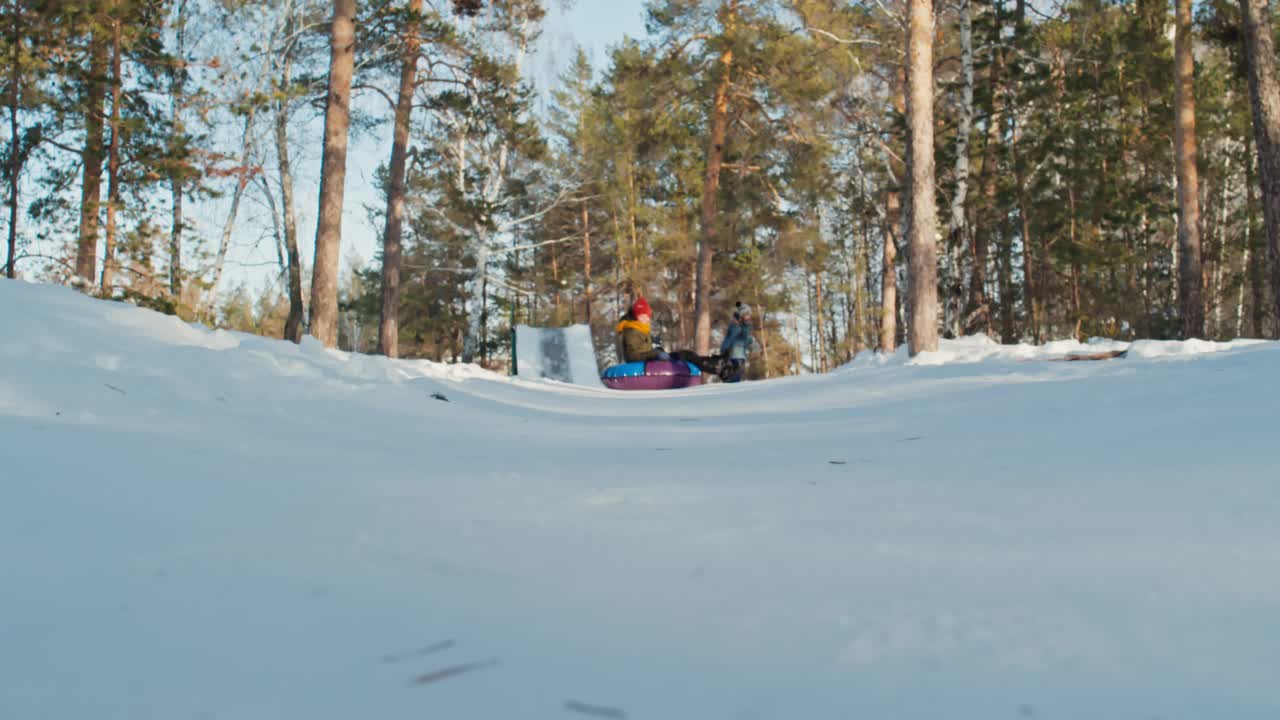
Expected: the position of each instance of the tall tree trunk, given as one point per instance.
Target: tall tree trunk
(764, 336)
(894, 220)
(586, 262)
(555, 289)
(1190, 273)
(176, 182)
(1029, 272)
(863, 294)
(293, 323)
(1221, 264)
(276, 232)
(818, 320)
(333, 175)
(1258, 268)
(1264, 96)
(710, 190)
(889, 274)
(954, 304)
(15, 139)
(175, 239)
(476, 311)
(978, 308)
(113, 163)
(91, 158)
(243, 174)
(389, 328)
(1008, 329)
(1245, 262)
(1076, 306)
(922, 227)
(1244, 284)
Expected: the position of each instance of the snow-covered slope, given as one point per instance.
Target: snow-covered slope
(210, 525)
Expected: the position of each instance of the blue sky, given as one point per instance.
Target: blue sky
(592, 24)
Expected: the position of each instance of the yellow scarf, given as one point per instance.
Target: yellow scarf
(633, 325)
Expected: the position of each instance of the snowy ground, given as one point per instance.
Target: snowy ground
(210, 525)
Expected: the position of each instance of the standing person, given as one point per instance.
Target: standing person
(635, 341)
(737, 343)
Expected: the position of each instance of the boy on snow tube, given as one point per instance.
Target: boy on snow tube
(645, 367)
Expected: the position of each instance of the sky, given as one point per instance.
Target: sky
(593, 24)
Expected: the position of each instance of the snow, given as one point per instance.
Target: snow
(980, 348)
(202, 524)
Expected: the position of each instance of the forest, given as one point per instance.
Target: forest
(866, 174)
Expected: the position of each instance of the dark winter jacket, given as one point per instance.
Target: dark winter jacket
(737, 341)
(634, 342)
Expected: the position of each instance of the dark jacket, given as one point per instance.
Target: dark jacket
(738, 342)
(634, 342)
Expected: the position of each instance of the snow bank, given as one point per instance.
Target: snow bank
(198, 524)
(980, 348)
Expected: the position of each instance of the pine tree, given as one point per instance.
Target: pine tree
(922, 226)
(324, 283)
(1190, 273)
(92, 155)
(23, 43)
(1264, 95)
(389, 327)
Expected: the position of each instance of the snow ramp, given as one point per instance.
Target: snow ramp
(563, 354)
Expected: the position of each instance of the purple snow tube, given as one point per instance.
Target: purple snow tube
(652, 375)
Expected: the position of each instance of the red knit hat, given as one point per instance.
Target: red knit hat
(641, 307)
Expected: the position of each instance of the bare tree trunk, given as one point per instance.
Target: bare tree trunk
(617, 261)
(333, 175)
(710, 189)
(15, 140)
(476, 310)
(862, 271)
(113, 163)
(1217, 298)
(1264, 94)
(1008, 330)
(1029, 273)
(91, 187)
(484, 322)
(978, 308)
(555, 290)
(176, 182)
(242, 181)
(894, 220)
(1190, 273)
(175, 239)
(10, 266)
(586, 261)
(292, 324)
(276, 232)
(389, 328)
(1245, 266)
(954, 304)
(889, 275)
(1258, 268)
(978, 312)
(1076, 307)
(922, 227)
(820, 314)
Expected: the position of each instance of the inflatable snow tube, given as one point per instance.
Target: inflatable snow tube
(652, 375)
